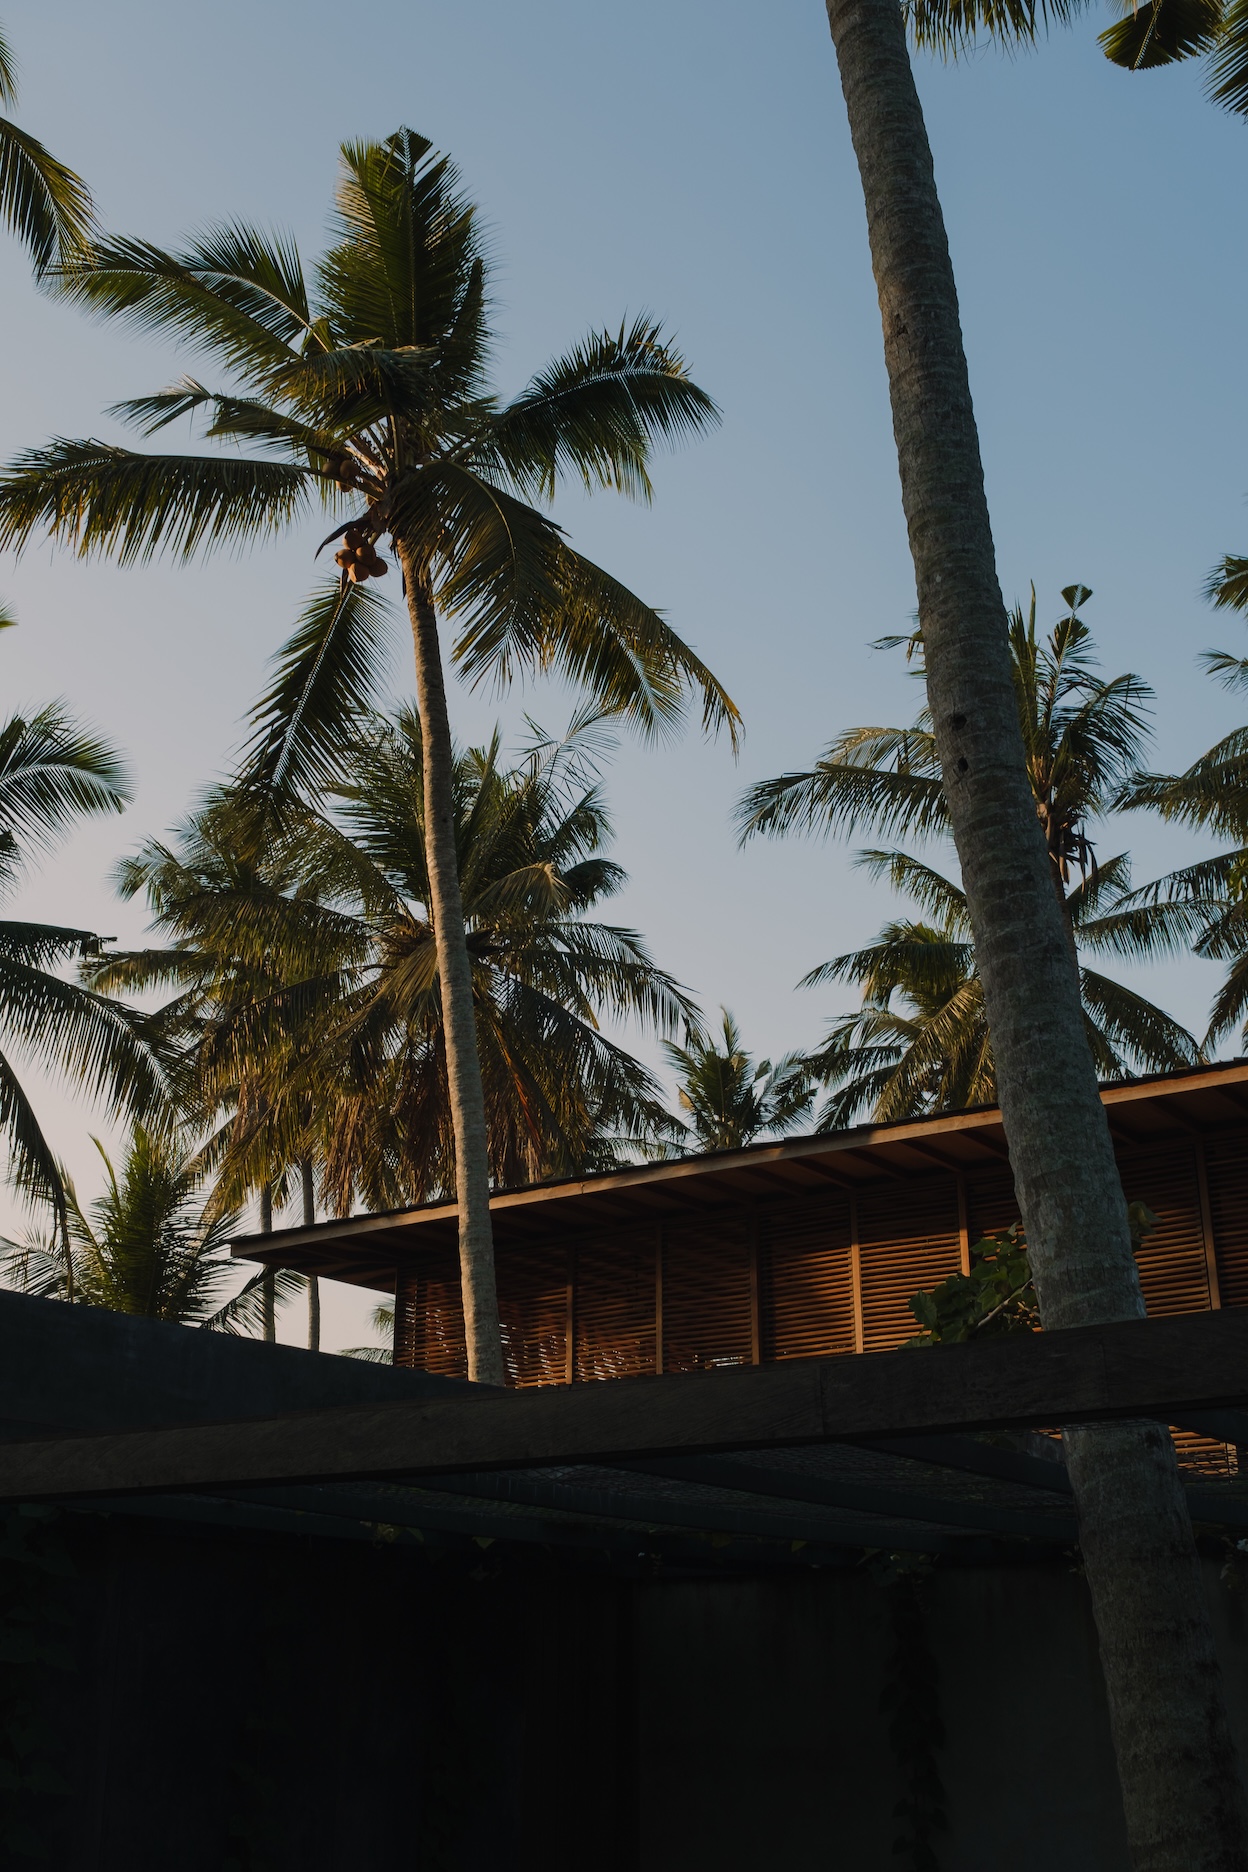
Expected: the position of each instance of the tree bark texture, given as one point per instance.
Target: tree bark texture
(308, 1191)
(1180, 1790)
(459, 1028)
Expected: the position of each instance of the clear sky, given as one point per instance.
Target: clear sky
(692, 159)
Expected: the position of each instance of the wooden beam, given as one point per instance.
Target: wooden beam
(1159, 1368)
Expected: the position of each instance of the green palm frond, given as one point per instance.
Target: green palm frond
(1228, 584)
(328, 677)
(597, 413)
(1228, 81)
(236, 293)
(52, 771)
(47, 206)
(950, 27)
(100, 498)
(33, 1170)
(1162, 31)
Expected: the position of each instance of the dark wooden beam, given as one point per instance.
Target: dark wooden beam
(1160, 1368)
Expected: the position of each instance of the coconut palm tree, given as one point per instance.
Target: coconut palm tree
(308, 1003)
(1176, 1760)
(367, 389)
(730, 1098)
(53, 772)
(1212, 795)
(148, 1245)
(45, 204)
(919, 1043)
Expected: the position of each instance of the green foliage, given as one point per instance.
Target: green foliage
(306, 996)
(998, 1295)
(145, 1246)
(919, 1041)
(363, 387)
(729, 1097)
(46, 205)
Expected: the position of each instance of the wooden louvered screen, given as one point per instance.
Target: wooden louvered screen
(805, 1279)
(437, 1332)
(406, 1300)
(706, 1293)
(991, 1204)
(1226, 1160)
(908, 1241)
(533, 1309)
(614, 1328)
(1173, 1270)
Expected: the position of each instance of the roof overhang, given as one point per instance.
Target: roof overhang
(365, 1250)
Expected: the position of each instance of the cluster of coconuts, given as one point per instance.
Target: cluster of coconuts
(359, 558)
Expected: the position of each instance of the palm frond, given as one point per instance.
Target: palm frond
(47, 206)
(100, 498)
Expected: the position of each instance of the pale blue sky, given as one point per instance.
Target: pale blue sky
(691, 159)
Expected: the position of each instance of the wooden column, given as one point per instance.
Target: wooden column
(658, 1296)
(569, 1319)
(405, 1334)
(855, 1272)
(1206, 1224)
(964, 1230)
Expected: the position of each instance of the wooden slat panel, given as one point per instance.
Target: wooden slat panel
(438, 1317)
(533, 1309)
(1171, 1260)
(908, 1241)
(1227, 1161)
(805, 1289)
(706, 1292)
(991, 1203)
(614, 1307)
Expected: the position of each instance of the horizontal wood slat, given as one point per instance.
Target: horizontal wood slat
(806, 1294)
(1173, 1271)
(533, 1313)
(615, 1307)
(908, 1241)
(1227, 1164)
(706, 1293)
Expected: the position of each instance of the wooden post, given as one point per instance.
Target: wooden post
(1206, 1224)
(569, 1319)
(405, 1297)
(964, 1231)
(855, 1273)
(268, 1286)
(755, 1331)
(658, 1296)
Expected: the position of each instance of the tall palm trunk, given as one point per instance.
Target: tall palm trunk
(314, 1285)
(459, 1027)
(1176, 1764)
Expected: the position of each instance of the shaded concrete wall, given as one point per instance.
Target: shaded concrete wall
(262, 1703)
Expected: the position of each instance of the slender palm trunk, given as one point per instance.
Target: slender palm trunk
(268, 1286)
(314, 1285)
(1176, 1765)
(459, 1027)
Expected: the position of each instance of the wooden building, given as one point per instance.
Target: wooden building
(785, 1250)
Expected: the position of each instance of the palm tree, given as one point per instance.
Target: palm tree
(308, 981)
(1082, 736)
(369, 388)
(1161, 32)
(147, 1246)
(731, 1099)
(53, 772)
(1176, 1759)
(919, 1043)
(45, 204)
(1212, 795)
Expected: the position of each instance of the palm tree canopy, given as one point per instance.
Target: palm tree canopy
(364, 386)
(1082, 734)
(729, 1097)
(52, 772)
(46, 205)
(919, 1042)
(318, 959)
(145, 1246)
(1149, 34)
